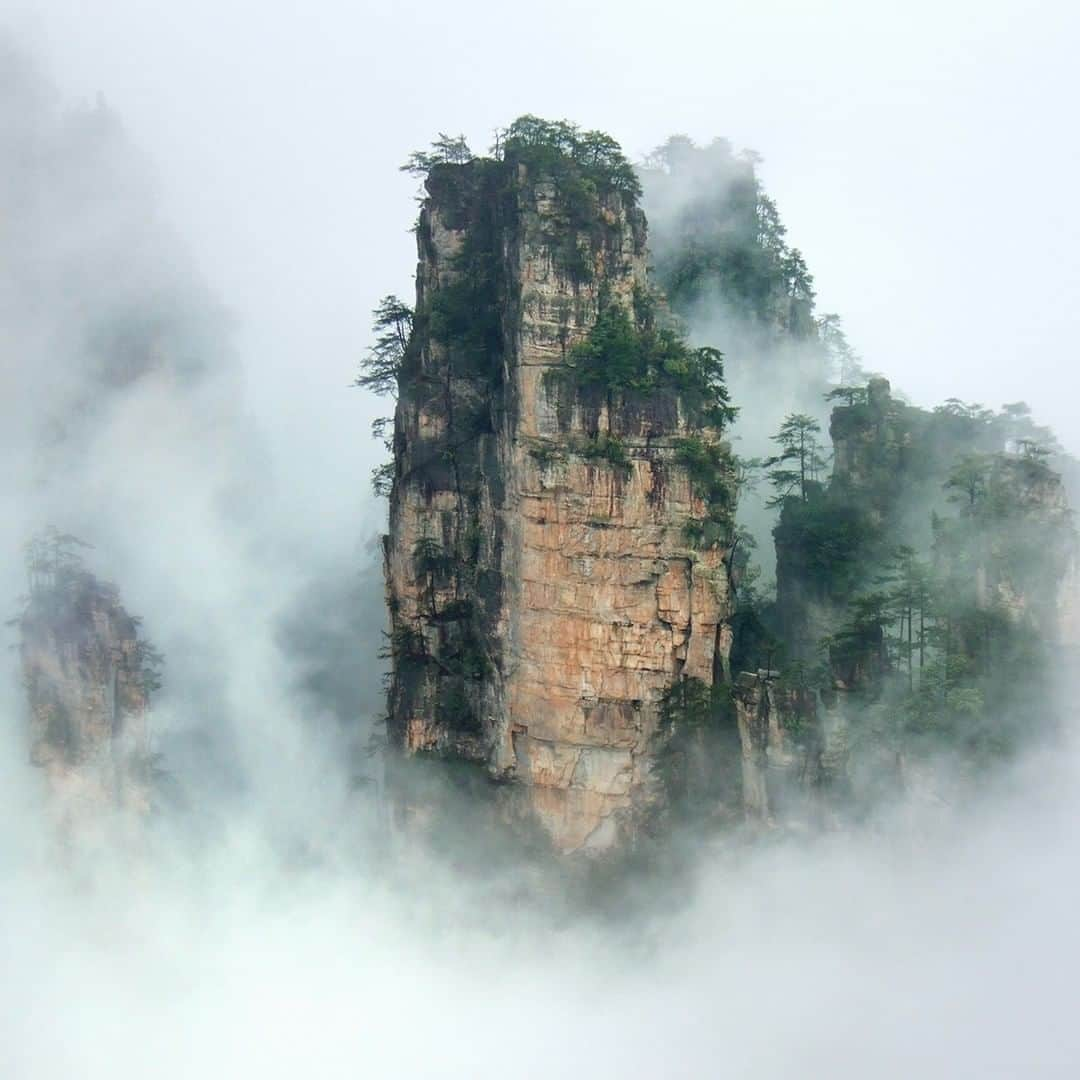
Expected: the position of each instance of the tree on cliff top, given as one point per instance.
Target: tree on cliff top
(545, 146)
(64, 597)
(850, 395)
(445, 150)
(53, 561)
(549, 145)
(800, 459)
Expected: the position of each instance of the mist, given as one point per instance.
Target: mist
(224, 217)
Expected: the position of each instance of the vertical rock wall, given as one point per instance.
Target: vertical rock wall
(84, 670)
(542, 597)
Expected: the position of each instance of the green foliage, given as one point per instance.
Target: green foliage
(613, 355)
(724, 236)
(687, 703)
(709, 466)
(582, 163)
(431, 561)
(755, 644)
(149, 661)
(382, 479)
(922, 645)
(625, 354)
(454, 708)
(831, 541)
(382, 476)
(585, 167)
(392, 327)
(798, 686)
(1036, 457)
(382, 430)
(743, 574)
(380, 372)
(545, 456)
(948, 704)
(800, 461)
(848, 395)
(456, 611)
(406, 646)
(445, 150)
(748, 471)
(462, 655)
(710, 470)
(467, 657)
(954, 666)
(857, 649)
(968, 482)
(605, 448)
(800, 678)
(704, 533)
(464, 313)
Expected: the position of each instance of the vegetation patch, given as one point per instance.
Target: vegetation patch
(711, 471)
(545, 456)
(630, 352)
(605, 449)
(583, 163)
(725, 241)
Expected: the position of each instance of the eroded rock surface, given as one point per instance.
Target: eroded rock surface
(543, 598)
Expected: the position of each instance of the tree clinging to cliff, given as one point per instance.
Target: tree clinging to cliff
(800, 459)
(381, 366)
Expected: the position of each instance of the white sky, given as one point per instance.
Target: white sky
(923, 156)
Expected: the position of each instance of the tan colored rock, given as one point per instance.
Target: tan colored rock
(585, 598)
(85, 671)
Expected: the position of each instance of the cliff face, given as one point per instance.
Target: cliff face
(543, 590)
(794, 748)
(871, 445)
(88, 678)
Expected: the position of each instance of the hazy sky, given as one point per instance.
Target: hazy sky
(923, 155)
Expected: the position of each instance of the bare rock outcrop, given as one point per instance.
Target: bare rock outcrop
(88, 676)
(543, 585)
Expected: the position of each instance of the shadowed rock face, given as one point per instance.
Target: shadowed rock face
(542, 600)
(86, 676)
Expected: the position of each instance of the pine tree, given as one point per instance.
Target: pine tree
(392, 326)
(800, 460)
